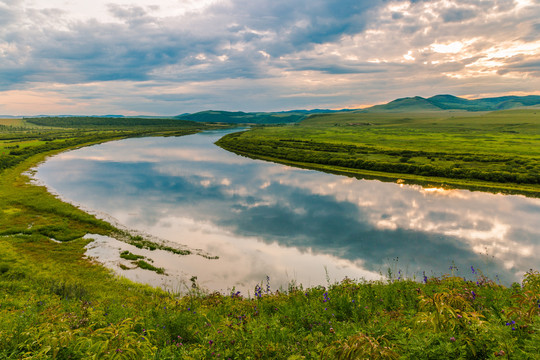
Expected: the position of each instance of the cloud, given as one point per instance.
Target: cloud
(530, 66)
(273, 47)
(458, 14)
(141, 45)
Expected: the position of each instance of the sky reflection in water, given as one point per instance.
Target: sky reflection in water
(267, 219)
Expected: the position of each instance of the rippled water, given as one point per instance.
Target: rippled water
(265, 219)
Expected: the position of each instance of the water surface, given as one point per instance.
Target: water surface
(293, 225)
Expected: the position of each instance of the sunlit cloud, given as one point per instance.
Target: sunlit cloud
(170, 57)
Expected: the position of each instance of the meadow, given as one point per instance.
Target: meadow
(495, 150)
(57, 304)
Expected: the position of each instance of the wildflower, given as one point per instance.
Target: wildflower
(473, 294)
(258, 291)
(332, 330)
(452, 339)
(472, 270)
(325, 297)
(210, 342)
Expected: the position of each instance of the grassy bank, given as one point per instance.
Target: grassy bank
(497, 151)
(56, 304)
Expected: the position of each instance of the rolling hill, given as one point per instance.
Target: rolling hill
(450, 102)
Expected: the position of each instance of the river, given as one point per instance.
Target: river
(278, 225)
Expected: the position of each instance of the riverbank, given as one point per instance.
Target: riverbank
(55, 303)
(495, 152)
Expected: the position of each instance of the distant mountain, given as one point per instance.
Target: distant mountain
(408, 104)
(450, 102)
(240, 117)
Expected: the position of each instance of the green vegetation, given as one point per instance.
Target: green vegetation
(129, 256)
(145, 265)
(141, 243)
(99, 123)
(57, 304)
(138, 261)
(497, 150)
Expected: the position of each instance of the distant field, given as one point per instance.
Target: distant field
(501, 148)
(12, 122)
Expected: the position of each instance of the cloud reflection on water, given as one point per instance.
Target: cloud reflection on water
(263, 218)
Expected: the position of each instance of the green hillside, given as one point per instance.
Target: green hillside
(409, 104)
(450, 102)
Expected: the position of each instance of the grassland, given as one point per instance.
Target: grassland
(497, 151)
(57, 304)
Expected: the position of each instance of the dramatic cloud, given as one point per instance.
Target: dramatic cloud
(175, 56)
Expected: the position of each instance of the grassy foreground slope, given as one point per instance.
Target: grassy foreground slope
(499, 150)
(57, 304)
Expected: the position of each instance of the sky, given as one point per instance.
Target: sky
(168, 57)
